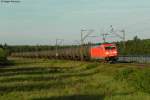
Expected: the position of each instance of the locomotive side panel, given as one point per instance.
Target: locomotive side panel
(97, 53)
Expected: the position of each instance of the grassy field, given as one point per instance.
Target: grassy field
(73, 80)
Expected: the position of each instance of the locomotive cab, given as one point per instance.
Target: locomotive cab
(110, 51)
(104, 51)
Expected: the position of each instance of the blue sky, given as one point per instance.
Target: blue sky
(42, 21)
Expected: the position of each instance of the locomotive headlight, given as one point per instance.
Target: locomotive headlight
(107, 53)
(115, 52)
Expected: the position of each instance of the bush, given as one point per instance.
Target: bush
(123, 74)
(93, 65)
(140, 79)
(3, 56)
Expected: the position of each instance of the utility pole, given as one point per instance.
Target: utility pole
(104, 37)
(124, 40)
(56, 49)
(58, 42)
(82, 42)
(36, 50)
(123, 36)
(76, 42)
(118, 35)
(84, 35)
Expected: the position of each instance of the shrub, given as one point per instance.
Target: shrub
(123, 74)
(140, 78)
(91, 66)
(3, 56)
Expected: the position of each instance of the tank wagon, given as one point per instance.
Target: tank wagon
(107, 52)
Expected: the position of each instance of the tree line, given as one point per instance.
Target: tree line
(136, 46)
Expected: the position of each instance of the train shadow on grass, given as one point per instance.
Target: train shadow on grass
(42, 70)
(57, 81)
(23, 69)
(73, 97)
(31, 71)
(40, 82)
(6, 64)
(46, 78)
(38, 86)
(34, 87)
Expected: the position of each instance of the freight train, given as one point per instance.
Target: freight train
(106, 52)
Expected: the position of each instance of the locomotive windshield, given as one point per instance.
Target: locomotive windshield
(110, 48)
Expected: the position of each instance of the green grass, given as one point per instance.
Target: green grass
(73, 80)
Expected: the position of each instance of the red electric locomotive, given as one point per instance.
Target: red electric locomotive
(107, 52)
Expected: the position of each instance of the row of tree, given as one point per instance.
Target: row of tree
(131, 47)
(134, 47)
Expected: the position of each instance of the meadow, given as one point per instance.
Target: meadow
(41, 79)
